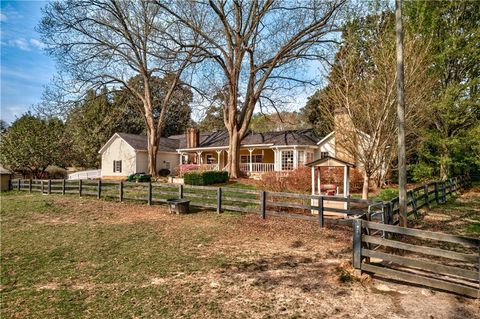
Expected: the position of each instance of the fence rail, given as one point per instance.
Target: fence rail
(264, 203)
(419, 257)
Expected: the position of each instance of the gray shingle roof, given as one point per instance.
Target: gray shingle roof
(139, 142)
(220, 138)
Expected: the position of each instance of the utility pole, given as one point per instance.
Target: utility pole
(402, 161)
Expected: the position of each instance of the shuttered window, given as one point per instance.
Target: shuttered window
(117, 166)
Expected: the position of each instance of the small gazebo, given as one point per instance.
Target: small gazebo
(329, 161)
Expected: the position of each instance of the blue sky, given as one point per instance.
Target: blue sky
(25, 68)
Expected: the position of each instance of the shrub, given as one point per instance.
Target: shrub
(300, 179)
(139, 177)
(388, 194)
(205, 177)
(164, 172)
(56, 172)
(421, 172)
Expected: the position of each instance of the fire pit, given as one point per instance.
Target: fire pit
(178, 206)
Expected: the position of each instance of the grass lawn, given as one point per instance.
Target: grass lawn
(71, 257)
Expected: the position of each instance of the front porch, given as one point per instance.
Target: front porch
(253, 159)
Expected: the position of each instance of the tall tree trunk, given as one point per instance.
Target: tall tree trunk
(402, 160)
(234, 153)
(366, 182)
(152, 151)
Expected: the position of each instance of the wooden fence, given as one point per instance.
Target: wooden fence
(414, 256)
(263, 203)
(424, 196)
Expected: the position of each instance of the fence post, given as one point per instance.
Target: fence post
(49, 189)
(120, 195)
(219, 200)
(425, 190)
(436, 193)
(149, 196)
(444, 191)
(80, 187)
(320, 211)
(63, 186)
(263, 203)
(357, 243)
(18, 184)
(180, 191)
(30, 185)
(99, 189)
(42, 190)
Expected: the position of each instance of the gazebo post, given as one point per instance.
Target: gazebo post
(313, 180)
(318, 182)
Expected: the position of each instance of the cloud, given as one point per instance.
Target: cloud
(37, 43)
(3, 17)
(20, 43)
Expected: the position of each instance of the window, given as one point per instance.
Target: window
(117, 166)
(211, 159)
(255, 158)
(323, 154)
(287, 160)
(301, 158)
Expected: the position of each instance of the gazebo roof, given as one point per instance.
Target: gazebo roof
(330, 161)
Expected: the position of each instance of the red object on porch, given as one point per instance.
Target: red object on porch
(329, 189)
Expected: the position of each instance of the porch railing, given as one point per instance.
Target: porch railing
(257, 167)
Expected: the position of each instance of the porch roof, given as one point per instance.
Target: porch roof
(330, 161)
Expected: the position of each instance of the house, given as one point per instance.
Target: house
(125, 154)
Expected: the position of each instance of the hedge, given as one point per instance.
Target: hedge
(205, 177)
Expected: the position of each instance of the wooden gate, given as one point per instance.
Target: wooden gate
(431, 259)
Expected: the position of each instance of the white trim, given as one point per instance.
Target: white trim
(329, 135)
(212, 148)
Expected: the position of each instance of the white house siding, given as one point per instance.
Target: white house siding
(118, 150)
(162, 159)
(327, 146)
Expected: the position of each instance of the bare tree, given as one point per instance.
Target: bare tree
(362, 92)
(106, 42)
(256, 46)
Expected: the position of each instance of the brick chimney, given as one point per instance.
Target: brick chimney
(344, 135)
(192, 137)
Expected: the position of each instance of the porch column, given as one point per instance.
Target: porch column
(295, 158)
(199, 158)
(275, 160)
(219, 154)
(318, 182)
(346, 181)
(250, 150)
(313, 180)
(181, 159)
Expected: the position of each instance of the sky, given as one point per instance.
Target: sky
(25, 68)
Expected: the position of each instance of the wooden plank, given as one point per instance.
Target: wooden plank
(425, 234)
(209, 188)
(240, 209)
(219, 200)
(240, 200)
(293, 216)
(421, 280)
(290, 205)
(199, 204)
(263, 204)
(421, 249)
(357, 243)
(422, 264)
(149, 194)
(188, 195)
(240, 190)
(288, 195)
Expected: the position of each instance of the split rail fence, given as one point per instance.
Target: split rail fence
(263, 203)
(432, 259)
